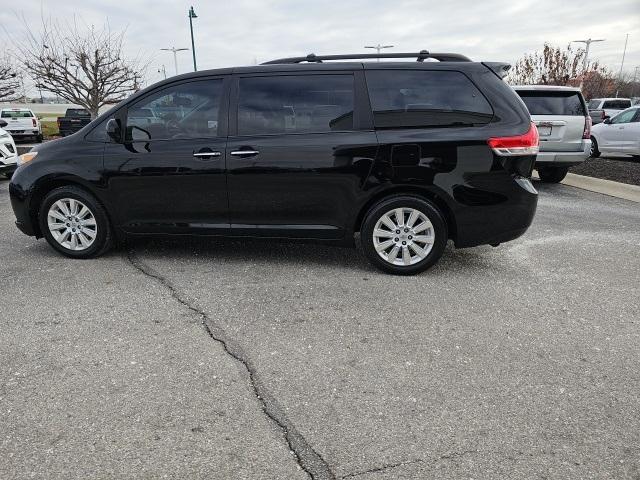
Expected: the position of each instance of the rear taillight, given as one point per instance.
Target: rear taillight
(586, 134)
(604, 115)
(33, 120)
(527, 144)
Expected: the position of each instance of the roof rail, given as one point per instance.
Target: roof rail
(420, 56)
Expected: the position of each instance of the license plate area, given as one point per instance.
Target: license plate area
(545, 130)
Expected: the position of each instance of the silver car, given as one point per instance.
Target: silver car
(564, 126)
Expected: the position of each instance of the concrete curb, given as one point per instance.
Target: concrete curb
(606, 187)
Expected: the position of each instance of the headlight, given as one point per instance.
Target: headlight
(5, 135)
(26, 157)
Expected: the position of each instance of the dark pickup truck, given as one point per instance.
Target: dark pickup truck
(74, 119)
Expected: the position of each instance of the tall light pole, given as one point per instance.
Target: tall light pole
(588, 43)
(378, 47)
(192, 15)
(175, 55)
(624, 53)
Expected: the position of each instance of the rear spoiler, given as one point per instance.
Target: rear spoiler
(501, 69)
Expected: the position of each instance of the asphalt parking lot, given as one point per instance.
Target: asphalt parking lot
(228, 359)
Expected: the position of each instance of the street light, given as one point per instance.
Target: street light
(624, 52)
(379, 47)
(175, 55)
(192, 15)
(588, 43)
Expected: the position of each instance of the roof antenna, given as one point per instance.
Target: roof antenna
(312, 58)
(422, 55)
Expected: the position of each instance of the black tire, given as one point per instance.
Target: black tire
(552, 174)
(429, 210)
(594, 153)
(104, 236)
(39, 138)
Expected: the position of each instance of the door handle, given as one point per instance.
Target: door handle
(239, 153)
(207, 154)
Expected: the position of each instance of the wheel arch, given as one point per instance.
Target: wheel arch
(46, 185)
(437, 200)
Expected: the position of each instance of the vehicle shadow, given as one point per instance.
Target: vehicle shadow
(300, 254)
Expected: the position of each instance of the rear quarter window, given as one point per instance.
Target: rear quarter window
(425, 98)
(553, 103)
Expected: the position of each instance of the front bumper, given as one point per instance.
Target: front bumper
(565, 159)
(8, 165)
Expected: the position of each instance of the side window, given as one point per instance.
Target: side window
(295, 104)
(188, 110)
(425, 98)
(624, 117)
(593, 104)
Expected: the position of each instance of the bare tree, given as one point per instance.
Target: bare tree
(553, 66)
(82, 65)
(9, 80)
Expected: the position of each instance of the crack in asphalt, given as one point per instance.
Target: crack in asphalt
(381, 468)
(306, 457)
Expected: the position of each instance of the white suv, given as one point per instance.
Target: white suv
(8, 152)
(564, 126)
(21, 122)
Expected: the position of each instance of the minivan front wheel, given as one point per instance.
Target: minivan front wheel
(403, 235)
(74, 223)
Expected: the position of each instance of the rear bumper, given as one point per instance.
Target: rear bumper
(565, 158)
(505, 218)
(24, 133)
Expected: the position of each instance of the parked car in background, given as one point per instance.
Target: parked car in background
(619, 134)
(563, 125)
(22, 123)
(8, 152)
(407, 154)
(601, 108)
(74, 120)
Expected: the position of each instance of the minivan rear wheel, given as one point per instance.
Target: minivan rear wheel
(74, 223)
(552, 174)
(403, 235)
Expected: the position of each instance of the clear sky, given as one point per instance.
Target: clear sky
(242, 32)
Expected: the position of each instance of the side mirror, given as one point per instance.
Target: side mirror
(607, 120)
(3, 124)
(113, 130)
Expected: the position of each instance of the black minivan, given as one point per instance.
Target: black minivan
(408, 154)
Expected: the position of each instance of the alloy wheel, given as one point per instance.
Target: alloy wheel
(403, 236)
(72, 224)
